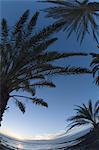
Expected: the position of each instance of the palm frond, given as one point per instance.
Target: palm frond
(77, 17)
(33, 22)
(44, 45)
(45, 33)
(85, 115)
(90, 108)
(82, 122)
(43, 84)
(95, 68)
(4, 29)
(75, 70)
(19, 25)
(39, 101)
(21, 106)
(96, 109)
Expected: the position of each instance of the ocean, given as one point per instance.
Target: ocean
(54, 144)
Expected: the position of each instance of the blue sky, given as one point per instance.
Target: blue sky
(39, 122)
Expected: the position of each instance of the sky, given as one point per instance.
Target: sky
(39, 122)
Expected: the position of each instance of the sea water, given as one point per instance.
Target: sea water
(31, 145)
(55, 144)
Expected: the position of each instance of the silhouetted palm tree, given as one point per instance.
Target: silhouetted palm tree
(78, 17)
(95, 65)
(25, 62)
(85, 115)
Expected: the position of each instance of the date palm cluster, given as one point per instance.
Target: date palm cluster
(26, 63)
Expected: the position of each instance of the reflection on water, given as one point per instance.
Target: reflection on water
(20, 146)
(35, 145)
(55, 144)
(27, 145)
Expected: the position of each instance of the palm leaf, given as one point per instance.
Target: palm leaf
(4, 29)
(84, 115)
(90, 108)
(19, 25)
(33, 22)
(96, 108)
(43, 84)
(39, 101)
(76, 17)
(95, 68)
(21, 106)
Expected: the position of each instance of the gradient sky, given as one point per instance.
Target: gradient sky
(39, 122)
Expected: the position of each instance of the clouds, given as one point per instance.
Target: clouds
(47, 136)
(34, 137)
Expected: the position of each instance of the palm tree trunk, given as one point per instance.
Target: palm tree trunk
(4, 97)
(93, 6)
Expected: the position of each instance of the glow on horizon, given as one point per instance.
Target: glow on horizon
(46, 136)
(34, 137)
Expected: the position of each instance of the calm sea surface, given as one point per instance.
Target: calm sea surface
(39, 144)
(29, 145)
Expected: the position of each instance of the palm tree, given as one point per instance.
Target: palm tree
(95, 65)
(25, 62)
(78, 17)
(85, 115)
